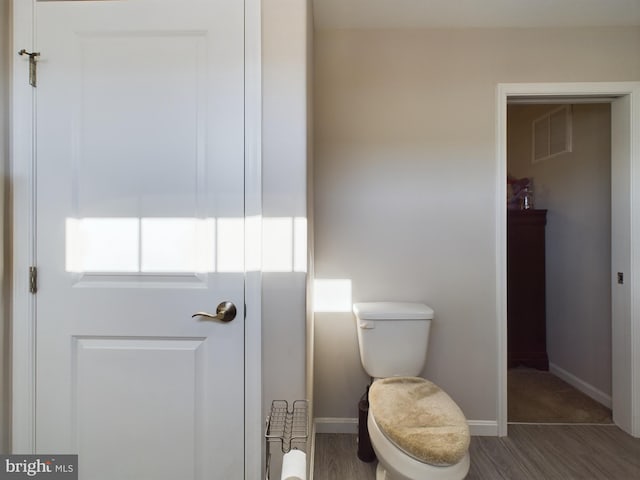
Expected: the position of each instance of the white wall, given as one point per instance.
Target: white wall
(575, 188)
(405, 179)
(285, 37)
(284, 156)
(4, 169)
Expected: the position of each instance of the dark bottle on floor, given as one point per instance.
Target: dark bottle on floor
(365, 450)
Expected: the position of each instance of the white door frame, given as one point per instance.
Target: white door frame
(23, 234)
(629, 368)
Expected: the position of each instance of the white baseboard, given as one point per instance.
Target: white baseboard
(483, 428)
(336, 425)
(586, 388)
(486, 428)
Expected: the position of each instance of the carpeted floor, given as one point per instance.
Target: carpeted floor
(536, 396)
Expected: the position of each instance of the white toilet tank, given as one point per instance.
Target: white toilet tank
(393, 337)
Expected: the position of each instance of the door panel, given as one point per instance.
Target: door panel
(161, 100)
(140, 219)
(164, 380)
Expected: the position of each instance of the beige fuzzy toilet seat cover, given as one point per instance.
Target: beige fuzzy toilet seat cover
(420, 418)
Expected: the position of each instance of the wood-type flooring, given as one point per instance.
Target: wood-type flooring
(529, 452)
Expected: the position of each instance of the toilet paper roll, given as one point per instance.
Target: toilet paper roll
(294, 466)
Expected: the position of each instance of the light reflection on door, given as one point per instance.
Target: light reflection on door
(183, 245)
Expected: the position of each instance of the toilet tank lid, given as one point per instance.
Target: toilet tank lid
(392, 311)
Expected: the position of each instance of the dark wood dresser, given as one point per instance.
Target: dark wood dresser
(526, 316)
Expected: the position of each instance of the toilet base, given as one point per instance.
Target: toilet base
(383, 474)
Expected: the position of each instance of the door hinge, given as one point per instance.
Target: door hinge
(33, 280)
(33, 58)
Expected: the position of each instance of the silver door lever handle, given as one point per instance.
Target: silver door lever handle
(225, 312)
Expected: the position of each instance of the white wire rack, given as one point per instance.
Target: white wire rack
(288, 427)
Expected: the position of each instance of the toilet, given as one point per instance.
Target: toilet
(417, 431)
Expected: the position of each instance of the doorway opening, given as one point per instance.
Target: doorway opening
(624, 98)
(559, 262)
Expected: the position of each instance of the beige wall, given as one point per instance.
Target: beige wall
(4, 169)
(405, 184)
(575, 188)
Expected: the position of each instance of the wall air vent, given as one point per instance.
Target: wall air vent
(551, 134)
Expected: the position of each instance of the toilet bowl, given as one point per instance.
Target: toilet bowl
(424, 438)
(394, 464)
(417, 431)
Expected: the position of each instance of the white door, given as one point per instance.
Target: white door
(139, 170)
